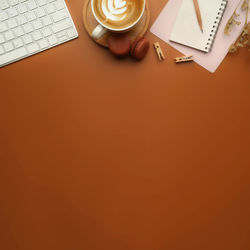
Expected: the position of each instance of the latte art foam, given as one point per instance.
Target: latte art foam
(118, 13)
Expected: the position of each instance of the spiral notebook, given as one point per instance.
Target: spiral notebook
(186, 30)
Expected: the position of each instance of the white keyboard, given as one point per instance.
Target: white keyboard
(28, 27)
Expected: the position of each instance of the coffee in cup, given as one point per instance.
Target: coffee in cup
(116, 15)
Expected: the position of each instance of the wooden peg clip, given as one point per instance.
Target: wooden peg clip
(159, 51)
(184, 59)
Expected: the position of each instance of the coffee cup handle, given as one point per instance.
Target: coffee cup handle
(98, 32)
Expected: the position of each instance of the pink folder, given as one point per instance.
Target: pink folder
(164, 24)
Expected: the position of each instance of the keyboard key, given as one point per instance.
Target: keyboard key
(46, 31)
(59, 15)
(3, 27)
(46, 20)
(3, 16)
(12, 12)
(37, 35)
(13, 55)
(27, 39)
(71, 33)
(18, 31)
(12, 23)
(13, 2)
(21, 19)
(52, 40)
(37, 24)
(28, 28)
(9, 35)
(43, 44)
(41, 2)
(32, 48)
(61, 34)
(22, 8)
(59, 5)
(1, 50)
(62, 38)
(8, 46)
(18, 43)
(62, 25)
(31, 4)
(50, 8)
(2, 40)
(4, 4)
(40, 12)
(30, 16)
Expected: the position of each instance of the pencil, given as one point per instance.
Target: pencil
(198, 13)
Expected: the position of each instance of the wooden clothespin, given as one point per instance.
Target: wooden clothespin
(184, 59)
(159, 51)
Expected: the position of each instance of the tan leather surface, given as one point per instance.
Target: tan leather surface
(98, 153)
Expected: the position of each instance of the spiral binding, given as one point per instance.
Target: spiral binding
(216, 25)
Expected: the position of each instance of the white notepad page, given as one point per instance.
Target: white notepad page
(187, 31)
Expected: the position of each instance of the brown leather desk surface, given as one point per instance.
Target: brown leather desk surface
(105, 154)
